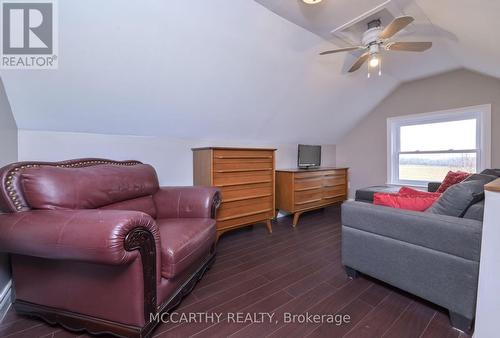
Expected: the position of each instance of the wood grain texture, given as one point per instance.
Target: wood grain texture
(301, 190)
(246, 178)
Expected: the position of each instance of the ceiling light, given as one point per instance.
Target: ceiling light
(311, 2)
(374, 61)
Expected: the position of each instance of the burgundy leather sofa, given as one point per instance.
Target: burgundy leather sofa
(97, 245)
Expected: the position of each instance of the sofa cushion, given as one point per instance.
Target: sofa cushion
(456, 199)
(406, 202)
(184, 242)
(451, 179)
(366, 194)
(143, 204)
(475, 211)
(86, 187)
(493, 172)
(485, 178)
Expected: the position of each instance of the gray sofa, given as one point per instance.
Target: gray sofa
(433, 256)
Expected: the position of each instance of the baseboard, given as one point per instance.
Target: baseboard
(5, 300)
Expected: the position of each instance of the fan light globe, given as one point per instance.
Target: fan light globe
(374, 61)
(311, 2)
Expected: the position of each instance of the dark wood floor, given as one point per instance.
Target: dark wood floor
(291, 271)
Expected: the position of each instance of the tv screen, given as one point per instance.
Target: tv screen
(309, 156)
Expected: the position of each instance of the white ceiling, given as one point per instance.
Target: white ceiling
(233, 70)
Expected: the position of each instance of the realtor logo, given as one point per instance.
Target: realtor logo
(29, 34)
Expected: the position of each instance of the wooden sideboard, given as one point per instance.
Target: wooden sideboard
(245, 177)
(300, 190)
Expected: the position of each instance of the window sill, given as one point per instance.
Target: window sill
(408, 185)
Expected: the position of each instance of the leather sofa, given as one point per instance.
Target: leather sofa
(98, 245)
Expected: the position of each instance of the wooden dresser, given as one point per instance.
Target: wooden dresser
(245, 177)
(300, 190)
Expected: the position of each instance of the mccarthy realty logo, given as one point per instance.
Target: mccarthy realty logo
(29, 34)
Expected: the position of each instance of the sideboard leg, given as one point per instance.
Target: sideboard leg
(296, 219)
(269, 226)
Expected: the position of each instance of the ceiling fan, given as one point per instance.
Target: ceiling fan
(376, 39)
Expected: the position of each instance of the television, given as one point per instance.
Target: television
(309, 156)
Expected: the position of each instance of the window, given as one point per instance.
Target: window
(422, 148)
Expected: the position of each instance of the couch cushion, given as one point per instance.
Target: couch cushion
(456, 199)
(366, 194)
(143, 204)
(48, 187)
(485, 178)
(493, 172)
(452, 178)
(475, 211)
(407, 202)
(184, 242)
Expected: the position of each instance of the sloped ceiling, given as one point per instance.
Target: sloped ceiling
(230, 69)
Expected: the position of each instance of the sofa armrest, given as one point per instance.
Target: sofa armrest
(98, 236)
(456, 236)
(433, 186)
(187, 202)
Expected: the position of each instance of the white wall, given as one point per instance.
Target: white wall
(172, 158)
(8, 154)
(364, 148)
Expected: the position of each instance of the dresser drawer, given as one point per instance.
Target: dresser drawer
(336, 191)
(253, 217)
(332, 200)
(308, 183)
(246, 191)
(242, 178)
(334, 172)
(334, 180)
(309, 204)
(242, 154)
(244, 207)
(235, 165)
(308, 175)
(303, 197)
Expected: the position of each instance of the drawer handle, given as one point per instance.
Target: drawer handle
(310, 188)
(333, 185)
(307, 202)
(242, 156)
(242, 183)
(244, 198)
(333, 196)
(242, 170)
(245, 214)
(309, 178)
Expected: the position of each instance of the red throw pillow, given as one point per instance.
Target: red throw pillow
(406, 202)
(452, 178)
(407, 191)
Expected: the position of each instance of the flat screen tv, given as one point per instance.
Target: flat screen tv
(309, 156)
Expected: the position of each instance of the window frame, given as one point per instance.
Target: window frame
(482, 113)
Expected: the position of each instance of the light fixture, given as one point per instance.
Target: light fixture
(374, 61)
(311, 2)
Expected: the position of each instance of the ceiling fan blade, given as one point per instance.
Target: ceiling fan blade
(359, 62)
(395, 26)
(409, 46)
(347, 49)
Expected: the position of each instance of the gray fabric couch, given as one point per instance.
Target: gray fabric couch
(435, 257)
